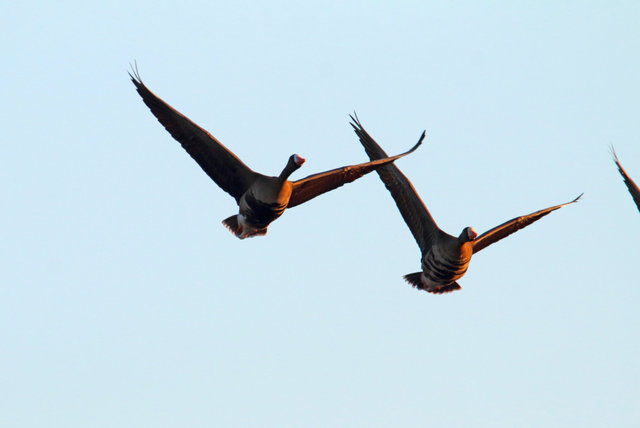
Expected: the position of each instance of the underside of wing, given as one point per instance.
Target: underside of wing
(631, 185)
(513, 225)
(317, 184)
(229, 172)
(411, 207)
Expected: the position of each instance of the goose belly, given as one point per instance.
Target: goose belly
(256, 213)
(439, 269)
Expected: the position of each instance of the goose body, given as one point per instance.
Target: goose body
(263, 202)
(261, 199)
(446, 261)
(445, 258)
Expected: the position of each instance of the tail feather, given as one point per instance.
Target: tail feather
(416, 282)
(234, 227)
(231, 223)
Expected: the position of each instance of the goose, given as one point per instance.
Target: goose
(633, 187)
(261, 199)
(445, 258)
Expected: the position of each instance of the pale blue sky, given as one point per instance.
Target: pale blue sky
(125, 303)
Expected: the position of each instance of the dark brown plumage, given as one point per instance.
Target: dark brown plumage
(261, 199)
(445, 258)
(631, 185)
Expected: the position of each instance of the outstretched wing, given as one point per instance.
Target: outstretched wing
(513, 225)
(317, 184)
(633, 187)
(411, 207)
(233, 176)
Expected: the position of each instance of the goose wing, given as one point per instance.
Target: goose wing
(513, 225)
(228, 172)
(633, 187)
(317, 184)
(411, 207)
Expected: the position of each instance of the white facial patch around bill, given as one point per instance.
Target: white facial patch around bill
(471, 233)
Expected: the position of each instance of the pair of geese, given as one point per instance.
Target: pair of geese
(262, 199)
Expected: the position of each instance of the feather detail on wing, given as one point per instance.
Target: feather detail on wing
(228, 172)
(411, 207)
(317, 184)
(513, 225)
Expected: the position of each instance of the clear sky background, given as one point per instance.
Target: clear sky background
(125, 303)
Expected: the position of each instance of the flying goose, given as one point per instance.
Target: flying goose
(261, 199)
(633, 187)
(445, 258)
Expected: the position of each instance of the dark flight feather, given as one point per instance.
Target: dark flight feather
(228, 172)
(631, 185)
(316, 184)
(413, 211)
(507, 228)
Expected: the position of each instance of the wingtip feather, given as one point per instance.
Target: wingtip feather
(577, 199)
(617, 161)
(134, 74)
(359, 129)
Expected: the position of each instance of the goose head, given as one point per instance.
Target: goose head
(468, 234)
(295, 161)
